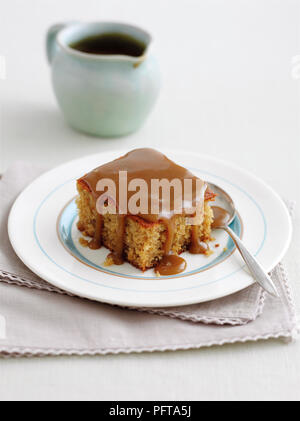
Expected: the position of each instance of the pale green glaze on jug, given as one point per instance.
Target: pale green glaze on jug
(102, 95)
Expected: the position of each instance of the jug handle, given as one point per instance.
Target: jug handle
(51, 45)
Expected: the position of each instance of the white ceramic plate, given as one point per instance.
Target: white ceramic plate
(42, 230)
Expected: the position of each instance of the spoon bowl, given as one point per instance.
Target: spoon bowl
(223, 201)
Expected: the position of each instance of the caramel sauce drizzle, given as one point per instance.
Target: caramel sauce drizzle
(149, 164)
(95, 243)
(197, 246)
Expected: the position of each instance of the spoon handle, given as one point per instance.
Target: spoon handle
(254, 267)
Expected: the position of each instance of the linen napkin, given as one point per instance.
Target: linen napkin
(35, 321)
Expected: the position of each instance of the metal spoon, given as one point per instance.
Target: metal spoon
(224, 213)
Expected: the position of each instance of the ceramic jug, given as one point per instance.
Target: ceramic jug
(102, 94)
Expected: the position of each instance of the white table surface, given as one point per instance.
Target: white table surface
(227, 91)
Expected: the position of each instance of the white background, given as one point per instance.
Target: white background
(227, 91)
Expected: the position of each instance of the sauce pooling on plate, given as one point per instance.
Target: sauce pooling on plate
(171, 264)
